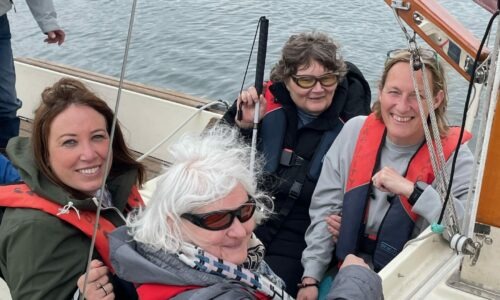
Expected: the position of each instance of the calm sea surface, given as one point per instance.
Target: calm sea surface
(201, 47)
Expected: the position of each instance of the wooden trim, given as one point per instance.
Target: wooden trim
(489, 206)
(164, 94)
(445, 22)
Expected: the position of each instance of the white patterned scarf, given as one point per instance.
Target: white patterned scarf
(254, 272)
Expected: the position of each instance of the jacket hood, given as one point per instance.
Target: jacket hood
(356, 92)
(21, 155)
(138, 263)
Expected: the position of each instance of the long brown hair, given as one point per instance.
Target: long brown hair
(55, 100)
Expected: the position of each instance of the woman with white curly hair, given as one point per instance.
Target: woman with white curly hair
(195, 240)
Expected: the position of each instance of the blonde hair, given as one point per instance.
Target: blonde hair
(438, 84)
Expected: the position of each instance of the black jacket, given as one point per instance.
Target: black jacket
(283, 234)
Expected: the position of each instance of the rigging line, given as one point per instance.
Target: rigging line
(435, 150)
(154, 148)
(438, 155)
(466, 108)
(441, 180)
(110, 149)
(239, 113)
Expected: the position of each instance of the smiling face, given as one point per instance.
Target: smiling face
(399, 107)
(229, 244)
(78, 144)
(316, 99)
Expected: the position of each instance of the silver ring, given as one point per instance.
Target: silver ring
(105, 292)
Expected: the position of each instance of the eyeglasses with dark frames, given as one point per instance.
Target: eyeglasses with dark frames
(308, 81)
(222, 219)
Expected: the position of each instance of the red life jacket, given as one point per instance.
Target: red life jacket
(152, 291)
(399, 221)
(21, 196)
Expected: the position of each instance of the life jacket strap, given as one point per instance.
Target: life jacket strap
(294, 192)
(368, 244)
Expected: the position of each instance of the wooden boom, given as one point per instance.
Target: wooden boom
(456, 44)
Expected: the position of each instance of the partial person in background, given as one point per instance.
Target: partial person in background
(8, 173)
(195, 238)
(378, 173)
(45, 15)
(311, 94)
(46, 229)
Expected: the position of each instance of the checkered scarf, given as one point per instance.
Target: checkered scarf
(254, 272)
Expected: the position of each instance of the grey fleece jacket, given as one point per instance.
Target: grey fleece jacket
(329, 193)
(42, 10)
(137, 263)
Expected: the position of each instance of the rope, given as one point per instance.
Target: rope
(433, 141)
(434, 145)
(466, 106)
(154, 148)
(110, 149)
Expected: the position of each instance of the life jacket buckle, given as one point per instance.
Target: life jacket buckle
(289, 158)
(294, 192)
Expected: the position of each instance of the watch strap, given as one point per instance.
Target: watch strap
(417, 191)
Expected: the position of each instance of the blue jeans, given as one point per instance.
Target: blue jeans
(9, 104)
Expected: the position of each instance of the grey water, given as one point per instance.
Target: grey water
(201, 47)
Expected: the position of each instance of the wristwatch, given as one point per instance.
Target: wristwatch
(418, 189)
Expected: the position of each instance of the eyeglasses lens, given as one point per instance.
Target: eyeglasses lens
(307, 82)
(219, 220)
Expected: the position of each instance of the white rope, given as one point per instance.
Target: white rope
(434, 145)
(66, 209)
(110, 149)
(154, 148)
(433, 142)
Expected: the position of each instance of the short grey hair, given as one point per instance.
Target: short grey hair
(205, 169)
(302, 49)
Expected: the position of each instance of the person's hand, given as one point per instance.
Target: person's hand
(56, 36)
(98, 284)
(389, 181)
(351, 260)
(246, 102)
(310, 292)
(333, 222)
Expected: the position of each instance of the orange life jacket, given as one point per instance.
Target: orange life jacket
(153, 291)
(397, 227)
(21, 196)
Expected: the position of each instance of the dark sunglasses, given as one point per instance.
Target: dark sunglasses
(308, 81)
(222, 219)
